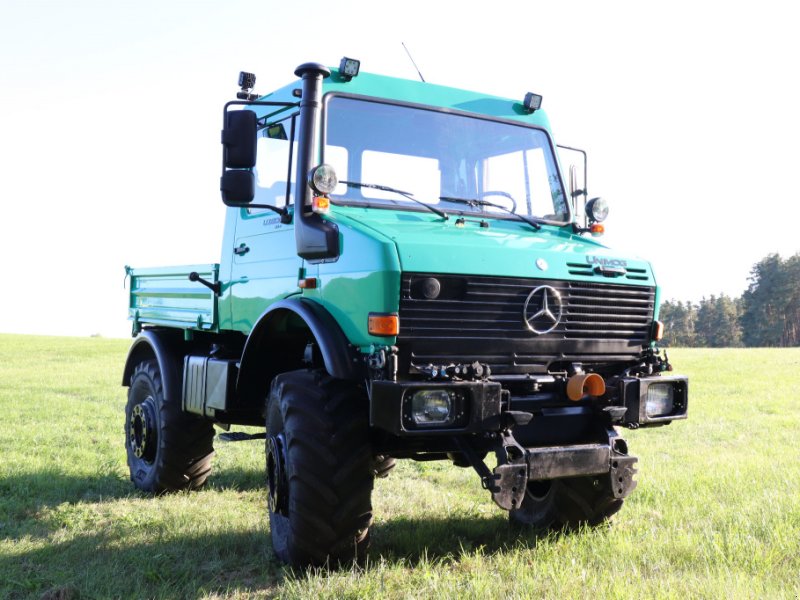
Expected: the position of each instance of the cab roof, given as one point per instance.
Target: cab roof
(419, 92)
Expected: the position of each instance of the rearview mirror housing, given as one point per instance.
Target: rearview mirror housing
(238, 187)
(239, 139)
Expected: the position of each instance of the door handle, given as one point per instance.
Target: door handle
(241, 250)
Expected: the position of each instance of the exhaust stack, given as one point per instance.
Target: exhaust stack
(583, 384)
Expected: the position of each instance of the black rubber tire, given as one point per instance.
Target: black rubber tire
(328, 469)
(177, 448)
(566, 503)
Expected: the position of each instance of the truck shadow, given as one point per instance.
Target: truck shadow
(113, 566)
(51, 487)
(420, 540)
(231, 562)
(237, 478)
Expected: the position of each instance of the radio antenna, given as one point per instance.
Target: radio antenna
(413, 63)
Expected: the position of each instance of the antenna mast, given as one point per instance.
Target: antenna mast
(412, 62)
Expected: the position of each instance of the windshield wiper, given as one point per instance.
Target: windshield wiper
(474, 202)
(386, 188)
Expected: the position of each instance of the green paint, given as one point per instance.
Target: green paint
(376, 244)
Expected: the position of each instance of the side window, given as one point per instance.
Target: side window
(272, 167)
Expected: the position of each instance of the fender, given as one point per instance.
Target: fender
(154, 343)
(255, 370)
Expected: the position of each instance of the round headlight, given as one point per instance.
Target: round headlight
(323, 179)
(597, 209)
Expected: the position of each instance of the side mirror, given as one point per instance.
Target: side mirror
(238, 187)
(239, 139)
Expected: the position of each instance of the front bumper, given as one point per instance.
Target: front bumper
(478, 406)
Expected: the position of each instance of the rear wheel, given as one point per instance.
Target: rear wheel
(167, 449)
(319, 469)
(566, 503)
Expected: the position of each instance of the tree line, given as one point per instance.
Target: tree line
(766, 314)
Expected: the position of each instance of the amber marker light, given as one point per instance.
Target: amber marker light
(321, 205)
(597, 229)
(308, 283)
(658, 330)
(383, 324)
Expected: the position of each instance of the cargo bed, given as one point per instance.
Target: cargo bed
(166, 296)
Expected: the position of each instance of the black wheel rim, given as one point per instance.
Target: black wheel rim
(538, 490)
(277, 488)
(142, 430)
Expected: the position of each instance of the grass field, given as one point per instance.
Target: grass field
(716, 513)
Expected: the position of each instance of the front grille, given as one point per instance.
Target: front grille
(482, 318)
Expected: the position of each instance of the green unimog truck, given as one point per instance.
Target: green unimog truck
(404, 273)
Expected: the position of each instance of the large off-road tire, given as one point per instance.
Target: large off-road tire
(566, 503)
(319, 469)
(168, 450)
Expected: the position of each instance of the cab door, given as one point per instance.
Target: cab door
(265, 264)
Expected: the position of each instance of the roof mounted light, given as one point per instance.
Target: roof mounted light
(247, 81)
(348, 68)
(532, 102)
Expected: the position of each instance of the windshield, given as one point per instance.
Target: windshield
(384, 153)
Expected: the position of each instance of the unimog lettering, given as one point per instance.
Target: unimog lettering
(389, 309)
(606, 262)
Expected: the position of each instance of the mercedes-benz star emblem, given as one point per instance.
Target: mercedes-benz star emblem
(542, 311)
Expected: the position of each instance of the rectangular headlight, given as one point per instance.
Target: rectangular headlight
(656, 400)
(660, 400)
(432, 408)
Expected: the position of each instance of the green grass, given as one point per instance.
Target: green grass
(716, 513)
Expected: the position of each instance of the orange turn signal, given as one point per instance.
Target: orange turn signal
(383, 324)
(658, 331)
(308, 283)
(597, 229)
(321, 205)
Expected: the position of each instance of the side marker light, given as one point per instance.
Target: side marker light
(658, 331)
(321, 205)
(309, 283)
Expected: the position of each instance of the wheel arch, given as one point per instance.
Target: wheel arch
(158, 345)
(297, 321)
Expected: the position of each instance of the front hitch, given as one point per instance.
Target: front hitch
(517, 465)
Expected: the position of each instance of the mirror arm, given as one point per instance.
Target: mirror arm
(578, 230)
(286, 216)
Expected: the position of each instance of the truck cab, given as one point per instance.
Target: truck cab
(403, 275)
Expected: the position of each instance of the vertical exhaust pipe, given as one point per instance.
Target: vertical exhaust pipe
(316, 238)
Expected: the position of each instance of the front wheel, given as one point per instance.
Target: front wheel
(167, 449)
(566, 503)
(320, 469)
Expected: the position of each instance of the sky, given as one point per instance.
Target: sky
(111, 111)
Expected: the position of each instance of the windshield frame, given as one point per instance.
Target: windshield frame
(449, 208)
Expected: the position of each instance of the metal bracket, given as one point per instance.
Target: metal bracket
(509, 480)
(621, 474)
(511, 472)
